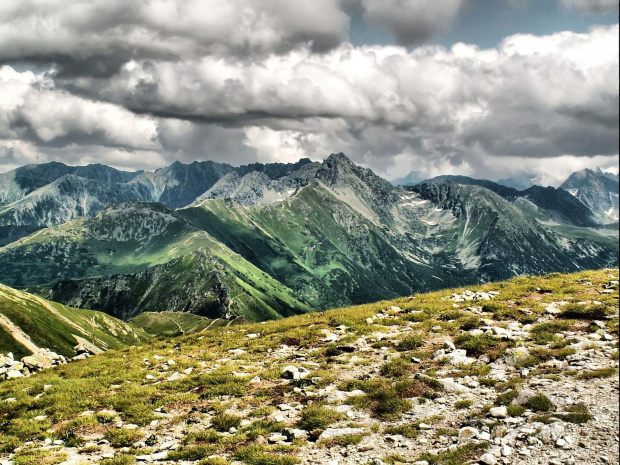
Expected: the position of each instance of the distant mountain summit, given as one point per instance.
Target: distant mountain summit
(596, 190)
(54, 193)
(411, 179)
(557, 204)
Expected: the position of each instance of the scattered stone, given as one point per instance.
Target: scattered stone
(499, 412)
(294, 373)
(331, 433)
(292, 434)
(467, 433)
(488, 459)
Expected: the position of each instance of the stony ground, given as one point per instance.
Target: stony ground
(521, 372)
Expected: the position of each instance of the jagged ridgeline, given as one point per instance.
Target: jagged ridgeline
(265, 241)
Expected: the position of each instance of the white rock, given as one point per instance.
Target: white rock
(488, 459)
(176, 375)
(467, 433)
(276, 437)
(331, 433)
(452, 386)
(449, 346)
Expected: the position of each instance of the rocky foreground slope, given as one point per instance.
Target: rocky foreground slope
(519, 372)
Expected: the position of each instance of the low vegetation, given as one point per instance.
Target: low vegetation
(223, 389)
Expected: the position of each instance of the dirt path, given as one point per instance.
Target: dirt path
(18, 298)
(74, 325)
(18, 334)
(175, 322)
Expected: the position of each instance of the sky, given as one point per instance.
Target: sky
(496, 89)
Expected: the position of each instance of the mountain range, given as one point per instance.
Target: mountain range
(596, 190)
(266, 241)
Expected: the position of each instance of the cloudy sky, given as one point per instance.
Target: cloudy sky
(487, 88)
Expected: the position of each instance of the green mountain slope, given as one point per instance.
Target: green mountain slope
(172, 324)
(346, 237)
(28, 322)
(317, 245)
(144, 257)
(498, 237)
(201, 283)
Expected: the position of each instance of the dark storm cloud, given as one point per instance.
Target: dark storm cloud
(96, 36)
(412, 21)
(593, 6)
(141, 84)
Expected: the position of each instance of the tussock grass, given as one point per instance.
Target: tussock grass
(584, 312)
(600, 373)
(258, 455)
(318, 416)
(123, 437)
(460, 455)
(540, 403)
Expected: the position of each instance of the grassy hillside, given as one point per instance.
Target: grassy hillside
(153, 248)
(28, 321)
(171, 324)
(203, 283)
(322, 248)
(381, 377)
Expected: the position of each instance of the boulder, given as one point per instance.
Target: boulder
(467, 433)
(523, 396)
(294, 373)
(38, 361)
(488, 459)
(499, 412)
(515, 355)
(291, 434)
(331, 433)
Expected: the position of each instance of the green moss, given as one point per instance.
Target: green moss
(477, 345)
(516, 410)
(463, 404)
(396, 368)
(123, 437)
(545, 332)
(540, 403)
(507, 397)
(410, 343)
(584, 312)
(578, 413)
(318, 416)
(410, 430)
(460, 455)
(120, 459)
(343, 441)
(223, 422)
(258, 455)
(191, 453)
(214, 461)
(600, 373)
(9, 443)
